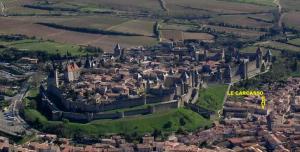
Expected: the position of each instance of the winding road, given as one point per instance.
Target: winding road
(280, 12)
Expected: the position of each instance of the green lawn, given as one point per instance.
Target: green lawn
(139, 125)
(41, 45)
(212, 97)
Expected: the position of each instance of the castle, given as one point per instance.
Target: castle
(166, 76)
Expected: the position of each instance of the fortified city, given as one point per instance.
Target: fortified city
(149, 76)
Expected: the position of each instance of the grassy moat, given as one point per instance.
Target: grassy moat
(212, 98)
(181, 119)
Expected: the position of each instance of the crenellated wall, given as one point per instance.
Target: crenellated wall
(73, 106)
(55, 114)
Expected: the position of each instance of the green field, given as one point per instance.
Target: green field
(212, 97)
(41, 45)
(168, 122)
(295, 41)
(135, 26)
(280, 46)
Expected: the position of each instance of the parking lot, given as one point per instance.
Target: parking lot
(9, 123)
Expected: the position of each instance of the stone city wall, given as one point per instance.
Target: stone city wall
(72, 106)
(56, 114)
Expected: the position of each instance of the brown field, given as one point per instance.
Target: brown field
(120, 5)
(129, 18)
(135, 26)
(9, 25)
(292, 19)
(241, 20)
(244, 33)
(173, 26)
(198, 36)
(217, 6)
(290, 5)
(15, 7)
(263, 16)
(91, 21)
(174, 35)
(179, 35)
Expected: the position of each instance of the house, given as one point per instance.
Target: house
(28, 60)
(72, 72)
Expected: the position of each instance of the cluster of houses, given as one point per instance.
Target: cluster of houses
(127, 78)
(51, 143)
(245, 126)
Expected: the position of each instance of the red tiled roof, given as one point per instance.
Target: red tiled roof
(72, 67)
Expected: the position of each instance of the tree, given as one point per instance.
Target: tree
(294, 65)
(168, 125)
(156, 133)
(182, 121)
(65, 121)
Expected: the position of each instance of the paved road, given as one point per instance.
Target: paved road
(10, 120)
(10, 126)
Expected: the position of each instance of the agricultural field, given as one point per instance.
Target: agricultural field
(275, 47)
(174, 26)
(106, 42)
(171, 35)
(256, 2)
(243, 33)
(14, 7)
(180, 35)
(279, 46)
(217, 6)
(295, 41)
(198, 36)
(133, 16)
(290, 5)
(291, 19)
(241, 20)
(50, 47)
(130, 5)
(88, 21)
(135, 26)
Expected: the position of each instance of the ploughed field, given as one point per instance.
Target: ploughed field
(135, 17)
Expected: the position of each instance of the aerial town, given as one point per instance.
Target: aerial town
(149, 76)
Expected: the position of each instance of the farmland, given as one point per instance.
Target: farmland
(135, 17)
(198, 36)
(257, 2)
(216, 6)
(291, 19)
(40, 45)
(244, 33)
(279, 46)
(241, 20)
(295, 41)
(16, 26)
(135, 26)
